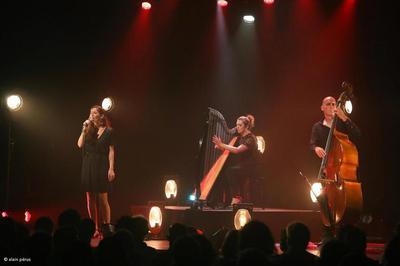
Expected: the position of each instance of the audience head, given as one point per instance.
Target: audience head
(230, 246)
(44, 224)
(207, 252)
(353, 237)
(125, 222)
(137, 225)
(332, 252)
(176, 231)
(186, 251)
(69, 217)
(298, 235)
(256, 234)
(141, 226)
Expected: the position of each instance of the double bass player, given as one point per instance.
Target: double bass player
(319, 138)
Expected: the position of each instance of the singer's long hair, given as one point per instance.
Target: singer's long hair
(104, 121)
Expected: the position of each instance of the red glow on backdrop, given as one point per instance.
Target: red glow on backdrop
(28, 216)
(222, 3)
(146, 5)
(269, 2)
(4, 214)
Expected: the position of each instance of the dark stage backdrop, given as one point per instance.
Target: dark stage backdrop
(166, 66)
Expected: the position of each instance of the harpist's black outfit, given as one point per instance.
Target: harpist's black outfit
(241, 168)
(95, 162)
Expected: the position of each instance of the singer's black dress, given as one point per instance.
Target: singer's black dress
(95, 162)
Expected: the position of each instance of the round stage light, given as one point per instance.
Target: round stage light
(14, 102)
(242, 217)
(171, 189)
(107, 104)
(222, 3)
(4, 214)
(316, 190)
(348, 107)
(155, 219)
(248, 19)
(260, 144)
(269, 2)
(146, 5)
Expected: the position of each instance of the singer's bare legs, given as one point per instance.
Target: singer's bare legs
(91, 204)
(105, 208)
(98, 203)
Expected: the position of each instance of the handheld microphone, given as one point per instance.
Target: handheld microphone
(86, 123)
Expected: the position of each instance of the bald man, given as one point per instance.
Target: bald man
(320, 130)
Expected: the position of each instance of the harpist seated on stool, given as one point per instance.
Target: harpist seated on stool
(242, 160)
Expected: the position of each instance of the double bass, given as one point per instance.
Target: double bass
(341, 199)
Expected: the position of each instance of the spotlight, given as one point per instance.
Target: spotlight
(146, 5)
(242, 216)
(107, 104)
(14, 102)
(222, 3)
(269, 2)
(260, 144)
(316, 191)
(171, 189)
(249, 19)
(348, 107)
(4, 214)
(28, 216)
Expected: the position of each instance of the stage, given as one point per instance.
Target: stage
(210, 221)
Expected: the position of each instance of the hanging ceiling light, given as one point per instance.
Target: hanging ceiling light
(249, 19)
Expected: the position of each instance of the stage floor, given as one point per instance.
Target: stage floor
(211, 220)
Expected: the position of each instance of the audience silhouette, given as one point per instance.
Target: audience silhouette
(71, 244)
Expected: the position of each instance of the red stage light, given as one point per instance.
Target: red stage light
(269, 2)
(28, 216)
(146, 5)
(4, 214)
(199, 232)
(222, 3)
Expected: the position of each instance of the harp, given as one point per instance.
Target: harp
(212, 159)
